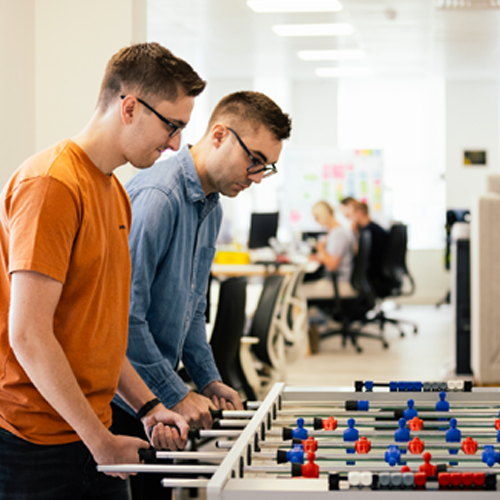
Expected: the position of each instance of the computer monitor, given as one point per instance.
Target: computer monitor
(263, 226)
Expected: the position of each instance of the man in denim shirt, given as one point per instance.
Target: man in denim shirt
(176, 216)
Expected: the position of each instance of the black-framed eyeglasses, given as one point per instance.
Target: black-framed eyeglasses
(257, 166)
(174, 129)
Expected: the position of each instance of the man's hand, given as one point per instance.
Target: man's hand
(119, 450)
(162, 436)
(223, 396)
(195, 408)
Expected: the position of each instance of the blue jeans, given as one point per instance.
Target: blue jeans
(53, 472)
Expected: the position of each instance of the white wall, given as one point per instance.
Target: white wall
(432, 281)
(74, 40)
(71, 58)
(472, 122)
(53, 54)
(17, 84)
(314, 111)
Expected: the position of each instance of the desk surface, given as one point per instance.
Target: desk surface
(257, 269)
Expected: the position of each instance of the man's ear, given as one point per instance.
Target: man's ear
(128, 109)
(218, 134)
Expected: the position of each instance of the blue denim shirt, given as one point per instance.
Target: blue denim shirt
(172, 246)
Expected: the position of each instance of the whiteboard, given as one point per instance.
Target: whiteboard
(330, 174)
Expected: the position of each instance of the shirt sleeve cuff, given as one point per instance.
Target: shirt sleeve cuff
(203, 374)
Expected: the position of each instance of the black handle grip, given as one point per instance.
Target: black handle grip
(193, 434)
(216, 414)
(148, 455)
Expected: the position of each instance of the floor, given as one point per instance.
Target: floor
(426, 356)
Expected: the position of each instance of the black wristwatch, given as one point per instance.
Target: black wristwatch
(147, 407)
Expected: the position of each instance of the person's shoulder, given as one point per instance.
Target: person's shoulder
(340, 231)
(377, 227)
(49, 165)
(46, 162)
(164, 176)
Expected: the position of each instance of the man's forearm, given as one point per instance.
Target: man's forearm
(132, 389)
(45, 363)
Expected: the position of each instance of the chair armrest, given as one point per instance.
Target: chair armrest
(247, 364)
(249, 340)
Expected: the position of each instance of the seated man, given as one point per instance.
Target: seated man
(335, 253)
(379, 241)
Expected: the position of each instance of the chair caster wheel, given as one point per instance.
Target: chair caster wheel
(415, 330)
(359, 349)
(385, 345)
(401, 334)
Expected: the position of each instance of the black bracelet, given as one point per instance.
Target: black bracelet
(147, 407)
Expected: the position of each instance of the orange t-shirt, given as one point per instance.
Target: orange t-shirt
(62, 217)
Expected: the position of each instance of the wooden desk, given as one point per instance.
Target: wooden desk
(226, 270)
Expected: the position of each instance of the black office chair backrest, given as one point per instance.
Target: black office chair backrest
(228, 329)
(359, 276)
(356, 307)
(264, 314)
(394, 266)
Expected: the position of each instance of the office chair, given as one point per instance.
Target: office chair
(292, 319)
(229, 327)
(264, 343)
(226, 336)
(397, 277)
(352, 311)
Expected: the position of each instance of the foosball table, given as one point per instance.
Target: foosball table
(379, 440)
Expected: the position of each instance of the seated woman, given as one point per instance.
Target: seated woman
(334, 252)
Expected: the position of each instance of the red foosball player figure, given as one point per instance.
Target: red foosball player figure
(427, 467)
(469, 446)
(363, 445)
(310, 444)
(420, 479)
(310, 469)
(329, 424)
(416, 446)
(416, 424)
(497, 422)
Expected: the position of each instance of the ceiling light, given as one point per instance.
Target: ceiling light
(295, 5)
(331, 55)
(340, 72)
(467, 4)
(313, 29)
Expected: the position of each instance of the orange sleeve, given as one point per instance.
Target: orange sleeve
(43, 223)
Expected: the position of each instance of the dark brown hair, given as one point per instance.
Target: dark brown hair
(252, 109)
(362, 207)
(151, 71)
(347, 200)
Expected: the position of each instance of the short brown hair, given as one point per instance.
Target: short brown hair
(252, 109)
(151, 70)
(362, 207)
(348, 200)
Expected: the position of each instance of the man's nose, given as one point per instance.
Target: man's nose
(257, 178)
(174, 143)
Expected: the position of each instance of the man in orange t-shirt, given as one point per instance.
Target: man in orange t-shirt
(64, 289)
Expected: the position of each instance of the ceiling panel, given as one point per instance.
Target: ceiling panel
(224, 39)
